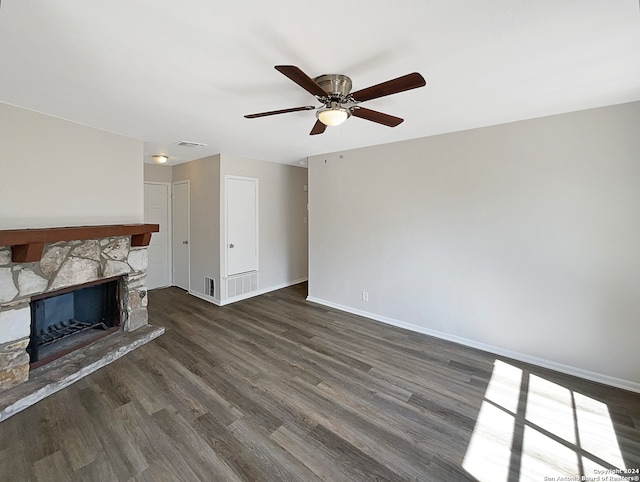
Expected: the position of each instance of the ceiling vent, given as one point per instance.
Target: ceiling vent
(190, 144)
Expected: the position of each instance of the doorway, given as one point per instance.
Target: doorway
(241, 216)
(181, 230)
(157, 210)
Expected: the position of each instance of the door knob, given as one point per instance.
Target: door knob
(185, 242)
(231, 245)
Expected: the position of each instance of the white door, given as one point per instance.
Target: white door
(181, 234)
(157, 201)
(241, 196)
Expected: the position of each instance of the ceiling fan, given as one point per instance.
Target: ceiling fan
(339, 103)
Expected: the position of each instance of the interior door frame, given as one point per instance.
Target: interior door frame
(256, 181)
(173, 270)
(169, 226)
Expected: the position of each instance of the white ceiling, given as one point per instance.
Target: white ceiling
(168, 71)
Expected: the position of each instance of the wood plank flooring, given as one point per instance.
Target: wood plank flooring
(277, 388)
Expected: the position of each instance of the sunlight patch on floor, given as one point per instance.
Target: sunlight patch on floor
(504, 386)
(560, 432)
(490, 444)
(544, 457)
(596, 432)
(549, 406)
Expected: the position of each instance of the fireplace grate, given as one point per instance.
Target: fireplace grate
(64, 329)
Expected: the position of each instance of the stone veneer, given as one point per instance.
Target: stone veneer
(65, 264)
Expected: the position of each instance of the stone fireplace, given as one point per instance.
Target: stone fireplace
(35, 263)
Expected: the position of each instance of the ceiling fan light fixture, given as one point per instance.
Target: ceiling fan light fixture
(160, 158)
(333, 116)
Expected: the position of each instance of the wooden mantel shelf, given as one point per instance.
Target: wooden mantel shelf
(27, 244)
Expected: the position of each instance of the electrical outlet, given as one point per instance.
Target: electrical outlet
(365, 296)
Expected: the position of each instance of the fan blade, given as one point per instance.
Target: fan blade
(302, 79)
(406, 82)
(318, 128)
(375, 116)
(282, 111)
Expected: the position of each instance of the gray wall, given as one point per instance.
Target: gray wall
(58, 173)
(521, 238)
(157, 173)
(204, 177)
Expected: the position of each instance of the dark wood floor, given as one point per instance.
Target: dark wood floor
(277, 388)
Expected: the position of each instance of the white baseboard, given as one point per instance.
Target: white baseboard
(245, 296)
(262, 291)
(541, 362)
(210, 299)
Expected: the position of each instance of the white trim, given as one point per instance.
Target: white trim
(169, 259)
(210, 299)
(216, 301)
(541, 362)
(173, 270)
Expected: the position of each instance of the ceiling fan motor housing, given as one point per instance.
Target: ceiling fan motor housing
(337, 86)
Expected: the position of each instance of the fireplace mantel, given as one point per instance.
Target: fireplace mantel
(27, 244)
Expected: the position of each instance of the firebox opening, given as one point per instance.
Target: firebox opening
(69, 319)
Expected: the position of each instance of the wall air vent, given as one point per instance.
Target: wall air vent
(209, 286)
(190, 144)
(242, 284)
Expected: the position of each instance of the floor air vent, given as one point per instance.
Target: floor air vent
(242, 284)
